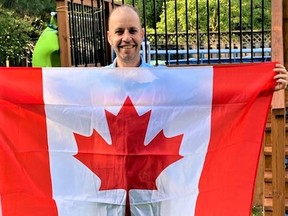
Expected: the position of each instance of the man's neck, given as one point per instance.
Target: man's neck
(121, 64)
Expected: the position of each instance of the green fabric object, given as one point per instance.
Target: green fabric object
(47, 51)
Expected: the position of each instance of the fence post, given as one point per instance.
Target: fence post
(278, 116)
(285, 29)
(285, 38)
(63, 32)
(7, 62)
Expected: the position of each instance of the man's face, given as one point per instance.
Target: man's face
(125, 36)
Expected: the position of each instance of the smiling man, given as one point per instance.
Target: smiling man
(125, 35)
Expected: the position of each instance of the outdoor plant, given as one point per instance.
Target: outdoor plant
(21, 23)
(257, 211)
(13, 34)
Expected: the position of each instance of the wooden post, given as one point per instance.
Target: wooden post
(285, 32)
(259, 183)
(63, 32)
(278, 116)
(285, 37)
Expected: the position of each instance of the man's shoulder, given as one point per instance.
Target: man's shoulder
(109, 66)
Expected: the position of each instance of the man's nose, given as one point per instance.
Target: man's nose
(126, 36)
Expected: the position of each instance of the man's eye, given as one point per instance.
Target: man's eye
(133, 31)
(119, 32)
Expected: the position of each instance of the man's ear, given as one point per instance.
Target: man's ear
(109, 37)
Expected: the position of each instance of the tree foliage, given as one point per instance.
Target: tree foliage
(208, 11)
(21, 23)
(33, 8)
(14, 34)
(149, 11)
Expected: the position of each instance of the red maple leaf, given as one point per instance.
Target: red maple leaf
(127, 163)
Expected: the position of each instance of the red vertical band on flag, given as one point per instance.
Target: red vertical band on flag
(25, 182)
(241, 101)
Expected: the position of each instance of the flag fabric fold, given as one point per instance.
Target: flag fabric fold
(134, 141)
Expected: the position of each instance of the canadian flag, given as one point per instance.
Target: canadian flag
(135, 141)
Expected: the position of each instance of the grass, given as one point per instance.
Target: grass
(257, 211)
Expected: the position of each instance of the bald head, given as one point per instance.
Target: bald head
(123, 11)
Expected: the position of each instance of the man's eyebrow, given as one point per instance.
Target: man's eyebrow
(133, 28)
(122, 29)
(118, 29)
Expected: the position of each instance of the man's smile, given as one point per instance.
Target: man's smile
(127, 46)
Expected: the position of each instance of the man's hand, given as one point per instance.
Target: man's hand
(281, 77)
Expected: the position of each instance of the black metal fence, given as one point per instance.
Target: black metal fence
(86, 34)
(24, 60)
(178, 32)
(255, 47)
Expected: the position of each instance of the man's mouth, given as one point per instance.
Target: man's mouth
(127, 46)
